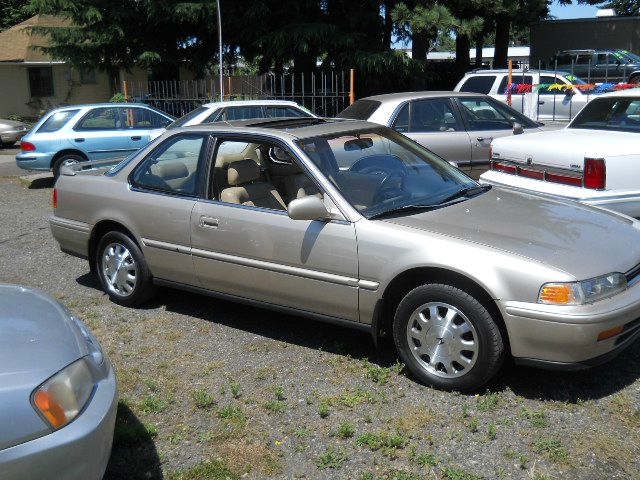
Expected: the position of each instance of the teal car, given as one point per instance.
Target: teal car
(88, 132)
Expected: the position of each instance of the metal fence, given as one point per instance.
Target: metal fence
(324, 93)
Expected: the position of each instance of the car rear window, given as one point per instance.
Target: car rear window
(185, 118)
(526, 79)
(360, 110)
(613, 113)
(478, 84)
(56, 121)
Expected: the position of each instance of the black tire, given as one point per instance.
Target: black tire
(67, 157)
(142, 289)
(7, 145)
(487, 338)
(634, 78)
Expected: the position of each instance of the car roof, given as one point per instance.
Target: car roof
(291, 128)
(629, 92)
(102, 105)
(516, 72)
(240, 103)
(402, 96)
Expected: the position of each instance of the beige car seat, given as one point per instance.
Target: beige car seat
(246, 190)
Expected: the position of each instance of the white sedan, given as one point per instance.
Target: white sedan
(237, 110)
(594, 160)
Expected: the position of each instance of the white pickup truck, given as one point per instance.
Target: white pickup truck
(594, 160)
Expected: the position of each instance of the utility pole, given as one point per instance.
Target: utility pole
(220, 49)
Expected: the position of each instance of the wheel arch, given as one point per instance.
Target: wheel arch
(99, 230)
(406, 281)
(68, 151)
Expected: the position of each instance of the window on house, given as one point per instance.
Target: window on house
(41, 81)
(88, 76)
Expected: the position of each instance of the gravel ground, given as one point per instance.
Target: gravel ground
(213, 390)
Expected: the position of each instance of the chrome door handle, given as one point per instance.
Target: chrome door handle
(208, 222)
(540, 102)
(482, 139)
(136, 138)
(79, 139)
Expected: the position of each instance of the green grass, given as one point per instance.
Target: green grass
(332, 458)
(202, 399)
(492, 433)
(375, 373)
(153, 404)
(345, 430)
(208, 470)
(275, 406)
(473, 425)
(278, 391)
(323, 409)
(537, 418)
(133, 434)
(235, 388)
(450, 473)
(233, 414)
(388, 444)
(488, 402)
(354, 397)
(552, 448)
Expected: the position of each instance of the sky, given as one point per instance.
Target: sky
(573, 11)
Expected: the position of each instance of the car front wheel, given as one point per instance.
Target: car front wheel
(122, 270)
(447, 338)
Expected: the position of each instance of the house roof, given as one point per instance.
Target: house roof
(19, 43)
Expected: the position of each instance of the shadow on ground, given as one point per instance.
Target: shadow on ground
(134, 454)
(40, 183)
(530, 383)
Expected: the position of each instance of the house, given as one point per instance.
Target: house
(32, 82)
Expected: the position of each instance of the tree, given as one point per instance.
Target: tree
(13, 12)
(624, 8)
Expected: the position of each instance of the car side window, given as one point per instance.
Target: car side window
(283, 112)
(56, 121)
(401, 122)
(550, 80)
(109, 118)
(173, 167)
(434, 115)
(481, 114)
(478, 84)
(242, 113)
(143, 118)
(526, 79)
(606, 58)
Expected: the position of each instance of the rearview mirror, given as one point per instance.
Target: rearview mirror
(308, 208)
(358, 144)
(517, 128)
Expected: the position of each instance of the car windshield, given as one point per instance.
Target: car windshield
(185, 118)
(613, 113)
(360, 110)
(632, 57)
(380, 171)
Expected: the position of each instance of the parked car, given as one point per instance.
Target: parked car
(237, 110)
(353, 223)
(594, 160)
(57, 390)
(88, 132)
(552, 104)
(458, 127)
(11, 132)
(604, 65)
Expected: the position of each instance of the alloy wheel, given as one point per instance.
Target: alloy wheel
(119, 269)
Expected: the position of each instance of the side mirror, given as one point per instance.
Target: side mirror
(517, 129)
(308, 208)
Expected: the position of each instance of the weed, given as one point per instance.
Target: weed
(552, 447)
(473, 425)
(233, 414)
(488, 401)
(275, 406)
(332, 458)
(451, 473)
(323, 409)
(175, 438)
(351, 398)
(537, 418)
(375, 373)
(151, 384)
(389, 444)
(510, 453)
(465, 410)
(153, 404)
(367, 418)
(524, 461)
(202, 399)
(345, 430)
(208, 470)
(235, 388)
(301, 432)
(278, 391)
(126, 434)
(492, 433)
(426, 459)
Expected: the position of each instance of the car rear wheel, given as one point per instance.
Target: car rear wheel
(447, 338)
(122, 270)
(67, 159)
(634, 78)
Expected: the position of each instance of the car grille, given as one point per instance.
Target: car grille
(633, 275)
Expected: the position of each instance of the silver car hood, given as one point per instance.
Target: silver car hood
(581, 241)
(10, 124)
(37, 339)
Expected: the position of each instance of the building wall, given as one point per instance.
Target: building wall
(549, 36)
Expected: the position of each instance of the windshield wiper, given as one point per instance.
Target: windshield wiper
(463, 192)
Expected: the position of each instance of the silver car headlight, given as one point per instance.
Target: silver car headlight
(586, 291)
(62, 397)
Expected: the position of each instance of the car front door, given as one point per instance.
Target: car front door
(101, 133)
(554, 104)
(164, 188)
(259, 253)
(140, 122)
(435, 124)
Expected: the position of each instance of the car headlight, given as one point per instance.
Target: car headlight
(586, 291)
(62, 397)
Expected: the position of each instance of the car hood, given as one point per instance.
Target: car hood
(37, 339)
(566, 148)
(10, 124)
(584, 242)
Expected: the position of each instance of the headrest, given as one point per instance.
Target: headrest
(170, 170)
(242, 171)
(277, 169)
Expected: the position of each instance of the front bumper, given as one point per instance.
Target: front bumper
(12, 136)
(627, 202)
(566, 337)
(34, 161)
(79, 451)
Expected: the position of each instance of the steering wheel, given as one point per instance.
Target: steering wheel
(379, 195)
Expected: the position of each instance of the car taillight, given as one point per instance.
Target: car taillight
(27, 147)
(55, 198)
(504, 167)
(595, 173)
(564, 179)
